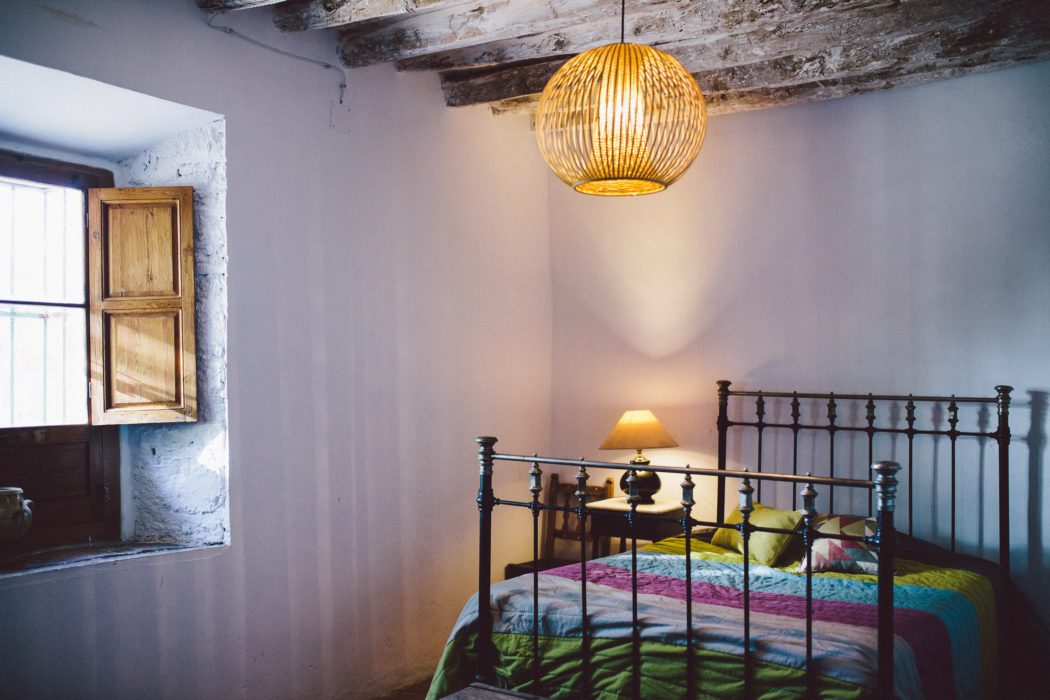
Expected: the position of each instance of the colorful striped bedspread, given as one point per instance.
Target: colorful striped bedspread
(945, 626)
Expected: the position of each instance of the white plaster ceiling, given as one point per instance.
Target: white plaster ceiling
(51, 108)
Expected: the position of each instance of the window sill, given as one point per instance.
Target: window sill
(60, 558)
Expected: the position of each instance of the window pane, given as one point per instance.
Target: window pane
(43, 365)
(41, 242)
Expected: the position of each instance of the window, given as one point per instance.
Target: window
(43, 308)
(96, 329)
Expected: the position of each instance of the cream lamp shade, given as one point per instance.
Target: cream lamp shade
(621, 119)
(637, 429)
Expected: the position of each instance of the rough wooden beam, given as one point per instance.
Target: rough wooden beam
(822, 74)
(501, 31)
(476, 23)
(225, 5)
(1011, 32)
(299, 15)
(736, 37)
(745, 100)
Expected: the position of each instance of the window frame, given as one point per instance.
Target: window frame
(100, 442)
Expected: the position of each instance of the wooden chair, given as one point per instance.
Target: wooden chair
(559, 525)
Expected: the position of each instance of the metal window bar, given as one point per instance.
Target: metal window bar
(885, 484)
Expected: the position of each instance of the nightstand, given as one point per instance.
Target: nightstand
(653, 521)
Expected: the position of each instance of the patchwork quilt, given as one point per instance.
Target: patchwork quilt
(945, 626)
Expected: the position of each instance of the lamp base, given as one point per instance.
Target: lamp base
(647, 482)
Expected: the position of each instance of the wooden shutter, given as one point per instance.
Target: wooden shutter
(141, 305)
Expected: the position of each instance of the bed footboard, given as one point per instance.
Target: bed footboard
(884, 486)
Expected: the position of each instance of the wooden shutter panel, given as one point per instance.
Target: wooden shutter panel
(141, 305)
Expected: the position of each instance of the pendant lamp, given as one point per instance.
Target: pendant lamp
(621, 119)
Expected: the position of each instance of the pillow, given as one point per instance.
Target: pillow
(845, 556)
(764, 547)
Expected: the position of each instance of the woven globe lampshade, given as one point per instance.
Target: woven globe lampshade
(621, 119)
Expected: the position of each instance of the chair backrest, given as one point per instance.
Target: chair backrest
(564, 525)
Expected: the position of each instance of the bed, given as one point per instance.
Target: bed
(698, 616)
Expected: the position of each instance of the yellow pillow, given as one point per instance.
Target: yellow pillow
(764, 547)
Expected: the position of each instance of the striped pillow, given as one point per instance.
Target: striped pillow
(846, 556)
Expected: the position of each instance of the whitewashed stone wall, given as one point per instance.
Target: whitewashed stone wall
(175, 476)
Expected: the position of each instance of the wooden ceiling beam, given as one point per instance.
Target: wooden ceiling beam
(482, 22)
(906, 59)
(300, 15)
(226, 5)
(745, 100)
(742, 40)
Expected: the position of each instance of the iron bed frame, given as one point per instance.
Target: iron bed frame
(882, 486)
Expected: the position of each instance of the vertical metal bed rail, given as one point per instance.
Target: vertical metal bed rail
(796, 413)
(687, 527)
(486, 501)
(1003, 437)
(585, 637)
(633, 497)
(869, 415)
(809, 511)
(760, 424)
(746, 506)
(536, 487)
(909, 409)
(885, 477)
(832, 415)
(723, 435)
(953, 436)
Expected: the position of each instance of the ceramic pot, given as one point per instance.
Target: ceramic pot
(16, 515)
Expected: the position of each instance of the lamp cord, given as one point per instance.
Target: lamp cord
(230, 31)
(623, 20)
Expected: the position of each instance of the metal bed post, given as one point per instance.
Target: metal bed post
(581, 513)
(687, 527)
(869, 415)
(760, 424)
(486, 501)
(809, 512)
(953, 438)
(723, 434)
(1003, 437)
(832, 416)
(885, 478)
(796, 413)
(746, 507)
(910, 432)
(633, 498)
(536, 487)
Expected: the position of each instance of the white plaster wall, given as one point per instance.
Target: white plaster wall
(174, 476)
(388, 291)
(891, 242)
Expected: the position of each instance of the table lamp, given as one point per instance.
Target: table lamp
(639, 430)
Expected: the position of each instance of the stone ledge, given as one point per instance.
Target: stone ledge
(80, 555)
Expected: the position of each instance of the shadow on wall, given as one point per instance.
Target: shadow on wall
(1036, 441)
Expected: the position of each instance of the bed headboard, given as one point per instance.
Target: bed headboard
(870, 426)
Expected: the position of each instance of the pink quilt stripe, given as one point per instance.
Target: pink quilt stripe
(923, 631)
